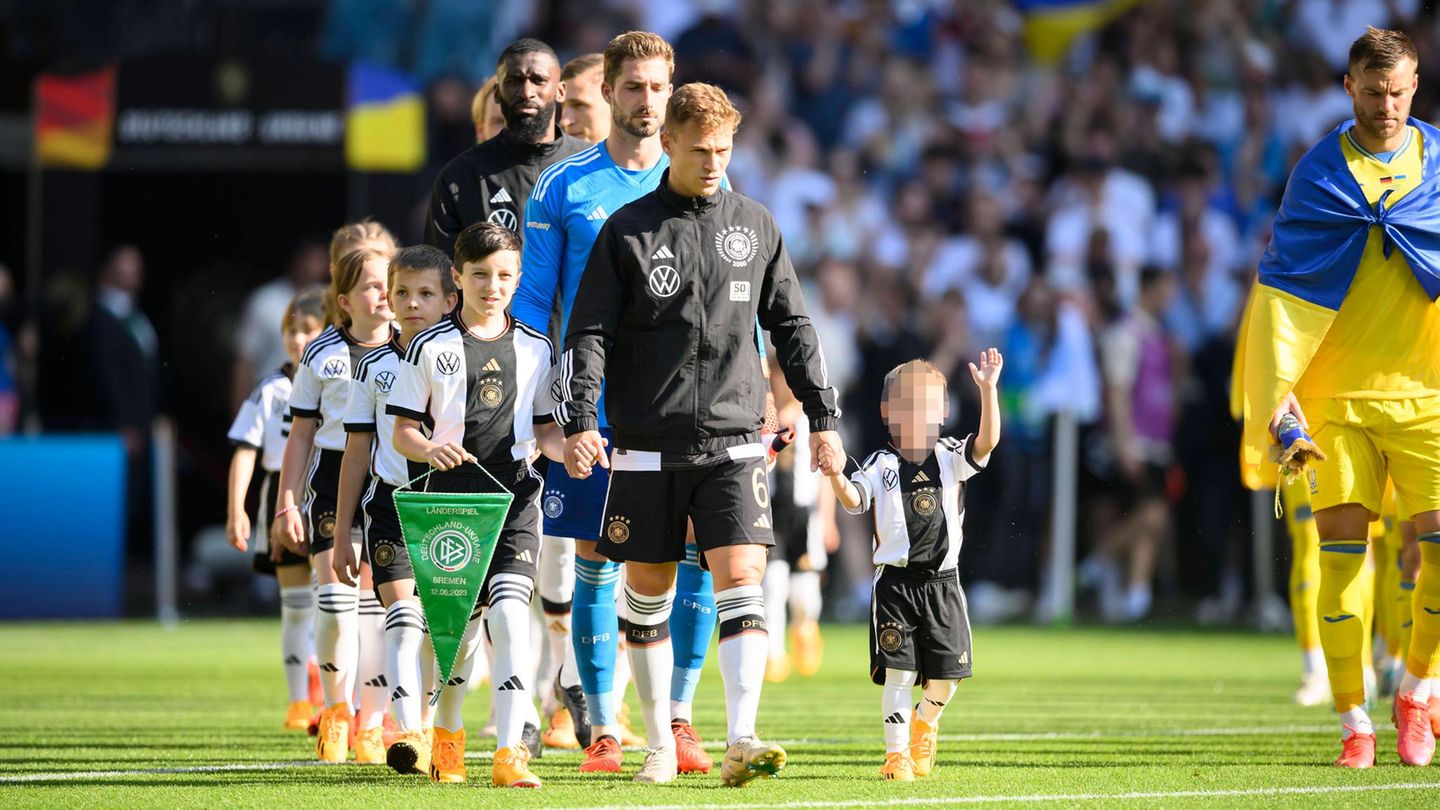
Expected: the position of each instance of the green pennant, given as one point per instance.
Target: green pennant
(451, 537)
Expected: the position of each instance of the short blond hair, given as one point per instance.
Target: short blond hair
(917, 366)
(355, 235)
(638, 45)
(704, 104)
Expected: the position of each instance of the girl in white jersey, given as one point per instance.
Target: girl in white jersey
(309, 479)
(259, 432)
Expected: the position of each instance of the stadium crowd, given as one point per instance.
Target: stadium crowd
(941, 189)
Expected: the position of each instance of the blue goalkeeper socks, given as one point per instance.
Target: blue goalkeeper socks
(595, 633)
(692, 622)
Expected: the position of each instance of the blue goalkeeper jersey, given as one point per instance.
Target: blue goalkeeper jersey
(567, 207)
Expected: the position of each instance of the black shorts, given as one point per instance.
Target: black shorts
(793, 527)
(322, 490)
(518, 548)
(918, 623)
(645, 511)
(385, 545)
(260, 530)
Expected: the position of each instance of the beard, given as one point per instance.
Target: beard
(529, 129)
(632, 128)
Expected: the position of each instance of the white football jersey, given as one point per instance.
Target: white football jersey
(263, 421)
(918, 508)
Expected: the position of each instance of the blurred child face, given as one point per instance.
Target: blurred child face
(419, 300)
(914, 409)
(488, 285)
(298, 334)
(367, 302)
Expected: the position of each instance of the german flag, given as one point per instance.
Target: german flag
(75, 120)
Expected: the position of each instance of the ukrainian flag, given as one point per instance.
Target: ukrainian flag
(75, 119)
(1050, 25)
(384, 122)
(1305, 274)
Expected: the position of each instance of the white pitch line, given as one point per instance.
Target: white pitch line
(62, 776)
(1033, 797)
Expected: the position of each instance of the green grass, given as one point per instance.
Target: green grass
(1122, 712)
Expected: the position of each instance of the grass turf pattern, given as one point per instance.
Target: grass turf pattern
(1073, 717)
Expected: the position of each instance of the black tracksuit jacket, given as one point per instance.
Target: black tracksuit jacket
(490, 181)
(666, 314)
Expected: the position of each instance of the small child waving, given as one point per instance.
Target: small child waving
(915, 490)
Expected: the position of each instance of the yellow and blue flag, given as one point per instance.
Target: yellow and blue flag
(1315, 250)
(384, 121)
(1051, 25)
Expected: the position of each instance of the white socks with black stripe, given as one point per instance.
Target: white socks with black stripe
(336, 640)
(297, 616)
(895, 706)
(744, 645)
(404, 636)
(509, 619)
(370, 669)
(651, 659)
(452, 693)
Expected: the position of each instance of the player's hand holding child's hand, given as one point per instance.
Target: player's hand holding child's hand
(987, 374)
(828, 452)
(583, 450)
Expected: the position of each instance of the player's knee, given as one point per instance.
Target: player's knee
(738, 571)
(650, 579)
(1349, 521)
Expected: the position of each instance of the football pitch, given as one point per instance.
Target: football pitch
(131, 714)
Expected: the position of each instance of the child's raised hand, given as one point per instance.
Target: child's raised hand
(987, 374)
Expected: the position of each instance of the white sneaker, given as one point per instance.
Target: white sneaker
(659, 766)
(1314, 689)
(747, 758)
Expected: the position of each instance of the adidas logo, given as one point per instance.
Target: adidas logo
(377, 682)
(965, 658)
(762, 522)
(663, 253)
(524, 556)
(919, 477)
(895, 719)
(493, 365)
(292, 661)
(512, 685)
(597, 214)
(328, 667)
(399, 693)
(501, 196)
(455, 681)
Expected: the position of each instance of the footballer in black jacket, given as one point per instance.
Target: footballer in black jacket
(665, 318)
(490, 181)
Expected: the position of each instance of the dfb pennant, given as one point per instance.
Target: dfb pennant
(451, 537)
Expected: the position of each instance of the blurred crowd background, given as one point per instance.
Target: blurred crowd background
(946, 179)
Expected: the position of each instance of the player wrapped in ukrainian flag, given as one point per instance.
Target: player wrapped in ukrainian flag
(1343, 333)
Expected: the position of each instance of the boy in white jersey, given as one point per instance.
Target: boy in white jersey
(422, 292)
(916, 487)
(260, 429)
(481, 380)
(309, 478)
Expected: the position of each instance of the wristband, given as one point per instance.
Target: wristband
(291, 508)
